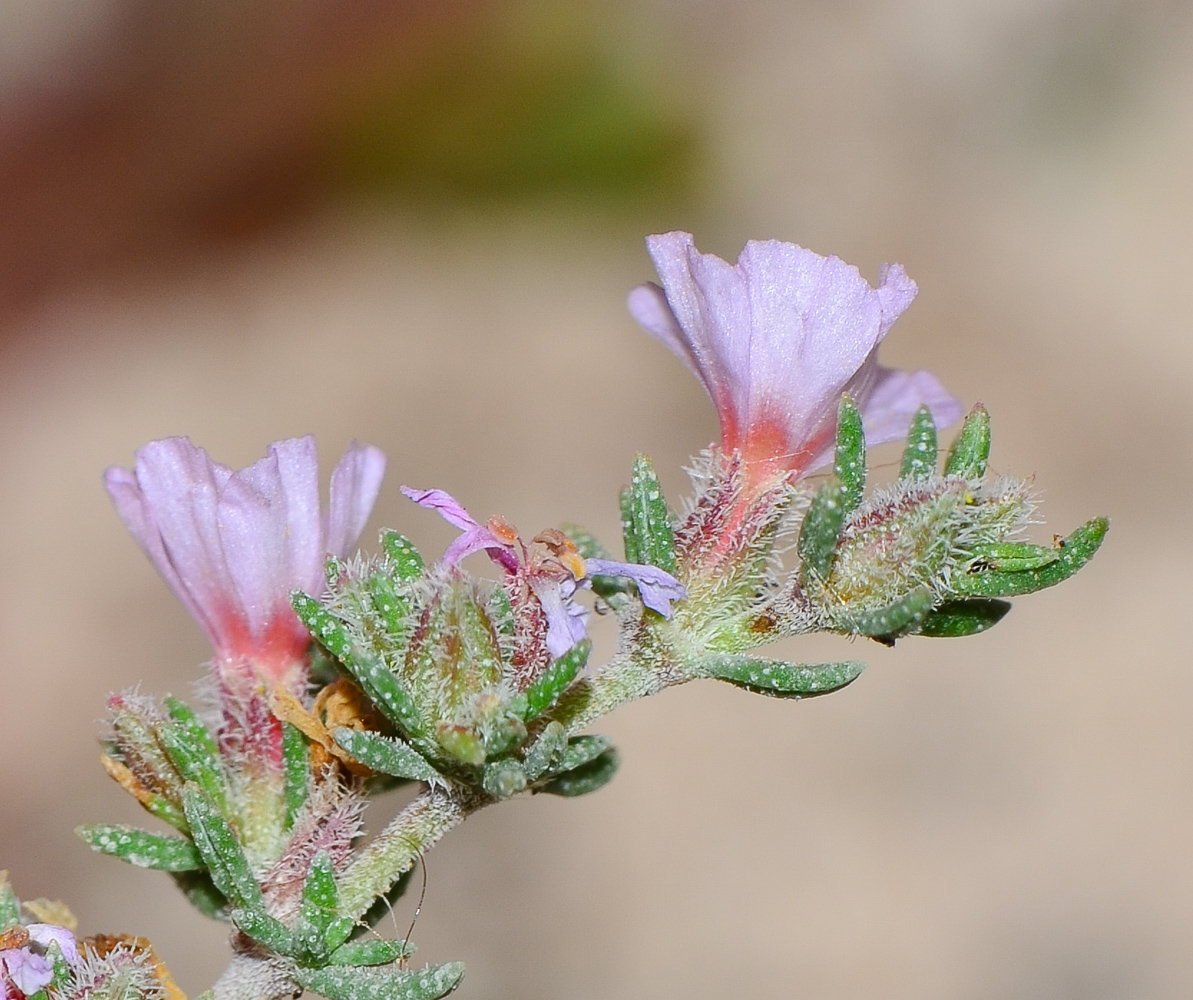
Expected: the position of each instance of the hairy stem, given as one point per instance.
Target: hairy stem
(414, 830)
(627, 677)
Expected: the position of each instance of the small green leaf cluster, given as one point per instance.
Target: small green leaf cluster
(455, 665)
(932, 554)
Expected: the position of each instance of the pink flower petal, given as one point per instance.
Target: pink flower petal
(355, 483)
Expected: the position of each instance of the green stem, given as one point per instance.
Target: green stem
(393, 851)
(623, 679)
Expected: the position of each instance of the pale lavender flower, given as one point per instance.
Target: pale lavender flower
(776, 339)
(47, 934)
(27, 971)
(234, 545)
(555, 578)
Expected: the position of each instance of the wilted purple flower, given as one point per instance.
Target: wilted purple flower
(234, 545)
(776, 339)
(554, 578)
(27, 968)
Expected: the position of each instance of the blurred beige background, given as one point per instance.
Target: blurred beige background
(416, 226)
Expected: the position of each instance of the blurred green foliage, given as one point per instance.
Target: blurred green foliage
(529, 100)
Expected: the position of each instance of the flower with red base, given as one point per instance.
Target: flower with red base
(234, 545)
(776, 339)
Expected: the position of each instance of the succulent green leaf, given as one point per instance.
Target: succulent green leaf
(650, 520)
(191, 750)
(582, 750)
(385, 754)
(849, 464)
(221, 850)
(541, 695)
(780, 679)
(10, 906)
(504, 779)
(338, 931)
(202, 894)
(141, 848)
(1013, 557)
(586, 778)
(895, 619)
(319, 906)
(265, 930)
(542, 755)
(919, 457)
(390, 606)
(371, 951)
(822, 525)
(501, 612)
(957, 618)
(628, 532)
(401, 551)
(322, 624)
(1073, 553)
(162, 808)
(296, 767)
(351, 982)
(971, 448)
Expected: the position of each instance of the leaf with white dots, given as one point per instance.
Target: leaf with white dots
(385, 754)
(371, 951)
(822, 525)
(780, 679)
(141, 848)
(919, 457)
(351, 982)
(971, 448)
(1072, 553)
(588, 777)
(893, 620)
(265, 930)
(221, 850)
(402, 553)
(646, 519)
(546, 688)
(849, 464)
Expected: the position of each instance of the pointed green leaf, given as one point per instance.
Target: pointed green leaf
(296, 766)
(140, 847)
(542, 754)
(351, 982)
(371, 951)
(1074, 552)
(504, 779)
(401, 551)
(385, 691)
(192, 750)
(919, 457)
(541, 695)
(971, 448)
(1013, 557)
(202, 894)
(319, 906)
(586, 778)
(581, 751)
(628, 531)
(370, 672)
(385, 754)
(322, 624)
(391, 607)
(895, 619)
(818, 534)
(221, 850)
(10, 906)
(653, 537)
(780, 679)
(265, 930)
(338, 931)
(958, 618)
(849, 464)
